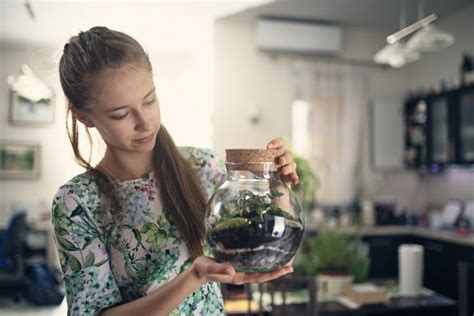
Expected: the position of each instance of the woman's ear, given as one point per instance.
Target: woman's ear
(82, 117)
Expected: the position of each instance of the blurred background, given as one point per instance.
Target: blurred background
(375, 97)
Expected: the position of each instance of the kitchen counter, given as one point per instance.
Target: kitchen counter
(439, 235)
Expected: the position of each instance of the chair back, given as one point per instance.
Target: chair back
(15, 236)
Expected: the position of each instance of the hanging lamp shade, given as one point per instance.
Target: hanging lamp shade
(430, 38)
(396, 55)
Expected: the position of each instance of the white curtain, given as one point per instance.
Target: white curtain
(338, 97)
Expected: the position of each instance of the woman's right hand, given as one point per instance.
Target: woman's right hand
(207, 269)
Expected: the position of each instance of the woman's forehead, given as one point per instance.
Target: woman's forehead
(123, 86)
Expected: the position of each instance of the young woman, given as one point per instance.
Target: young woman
(130, 230)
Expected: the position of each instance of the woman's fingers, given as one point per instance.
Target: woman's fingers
(285, 159)
(276, 143)
(288, 172)
(225, 273)
(287, 167)
(241, 278)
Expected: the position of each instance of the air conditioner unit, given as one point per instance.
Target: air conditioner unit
(298, 36)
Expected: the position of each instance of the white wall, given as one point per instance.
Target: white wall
(57, 163)
(245, 81)
(246, 78)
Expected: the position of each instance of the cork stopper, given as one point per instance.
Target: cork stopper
(256, 160)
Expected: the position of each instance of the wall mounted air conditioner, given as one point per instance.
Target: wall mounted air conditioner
(298, 36)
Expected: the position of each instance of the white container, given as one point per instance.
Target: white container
(332, 286)
(410, 269)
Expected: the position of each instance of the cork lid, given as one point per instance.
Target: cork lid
(252, 159)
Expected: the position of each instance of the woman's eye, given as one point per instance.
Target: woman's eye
(150, 102)
(121, 117)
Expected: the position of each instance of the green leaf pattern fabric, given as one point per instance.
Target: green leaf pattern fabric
(129, 256)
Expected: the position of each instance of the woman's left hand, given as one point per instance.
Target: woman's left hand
(285, 163)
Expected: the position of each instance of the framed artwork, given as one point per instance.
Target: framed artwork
(24, 111)
(19, 160)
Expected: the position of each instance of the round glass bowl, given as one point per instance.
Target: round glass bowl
(254, 221)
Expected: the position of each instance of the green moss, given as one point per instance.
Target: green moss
(276, 211)
(232, 223)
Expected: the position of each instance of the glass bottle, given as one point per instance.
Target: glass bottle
(254, 221)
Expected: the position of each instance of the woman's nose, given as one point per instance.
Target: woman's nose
(143, 122)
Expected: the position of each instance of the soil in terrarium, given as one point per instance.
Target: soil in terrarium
(259, 237)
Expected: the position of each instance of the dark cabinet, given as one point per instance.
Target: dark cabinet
(464, 135)
(439, 129)
(383, 253)
(440, 268)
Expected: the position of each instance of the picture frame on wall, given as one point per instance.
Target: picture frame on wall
(19, 160)
(26, 112)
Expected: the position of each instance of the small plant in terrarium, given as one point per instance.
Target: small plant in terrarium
(253, 221)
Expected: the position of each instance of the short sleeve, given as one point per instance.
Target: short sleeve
(210, 169)
(89, 282)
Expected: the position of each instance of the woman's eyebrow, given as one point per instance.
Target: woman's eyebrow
(124, 106)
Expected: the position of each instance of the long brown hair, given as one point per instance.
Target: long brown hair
(84, 60)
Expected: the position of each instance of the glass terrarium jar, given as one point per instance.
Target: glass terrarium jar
(254, 221)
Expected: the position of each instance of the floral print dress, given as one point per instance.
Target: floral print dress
(107, 265)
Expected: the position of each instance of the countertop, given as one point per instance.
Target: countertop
(440, 235)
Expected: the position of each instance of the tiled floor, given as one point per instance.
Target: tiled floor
(10, 308)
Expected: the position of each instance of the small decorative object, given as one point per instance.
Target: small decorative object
(19, 160)
(363, 294)
(330, 286)
(254, 221)
(31, 101)
(336, 261)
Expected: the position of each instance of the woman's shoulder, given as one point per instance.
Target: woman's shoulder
(200, 157)
(79, 187)
(81, 181)
(210, 168)
(191, 151)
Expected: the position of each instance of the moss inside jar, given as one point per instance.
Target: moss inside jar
(254, 221)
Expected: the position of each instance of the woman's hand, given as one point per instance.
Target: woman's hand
(206, 270)
(285, 162)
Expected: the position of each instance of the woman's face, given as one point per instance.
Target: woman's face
(126, 111)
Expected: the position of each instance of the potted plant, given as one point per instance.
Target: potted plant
(334, 259)
(308, 183)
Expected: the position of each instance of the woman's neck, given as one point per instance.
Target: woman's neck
(126, 167)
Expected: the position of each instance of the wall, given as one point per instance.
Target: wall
(57, 164)
(259, 80)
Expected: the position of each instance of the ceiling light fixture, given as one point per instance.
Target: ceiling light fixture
(428, 39)
(396, 55)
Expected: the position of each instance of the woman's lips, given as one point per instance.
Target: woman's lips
(144, 139)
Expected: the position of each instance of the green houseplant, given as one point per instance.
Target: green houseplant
(334, 259)
(308, 184)
(332, 252)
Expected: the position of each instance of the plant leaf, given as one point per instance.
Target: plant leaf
(149, 227)
(275, 193)
(77, 211)
(74, 264)
(90, 259)
(137, 234)
(101, 263)
(67, 245)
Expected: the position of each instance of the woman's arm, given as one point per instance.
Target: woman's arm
(169, 296)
